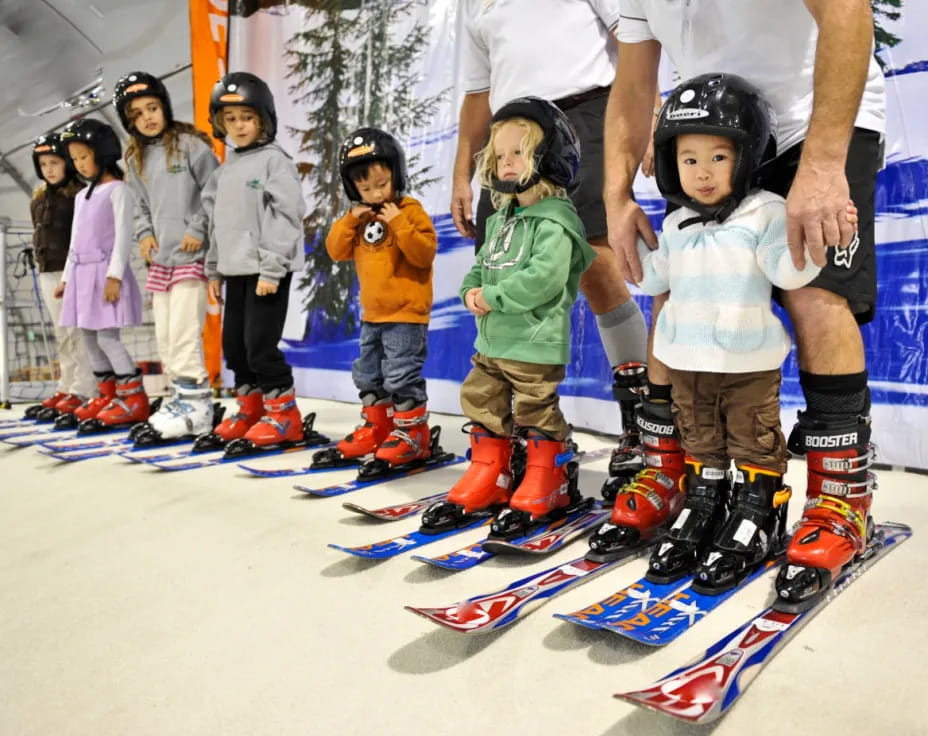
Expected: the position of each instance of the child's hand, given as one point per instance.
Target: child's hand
(482, 303)
(470, 301)
(359, 210)
(265, 287)
(190, 244)
(59, 290)
(215, 290)
(148, 246)
(389, 211)
(111, 290)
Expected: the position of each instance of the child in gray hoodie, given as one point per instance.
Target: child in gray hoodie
(255, 206)
(167, 165)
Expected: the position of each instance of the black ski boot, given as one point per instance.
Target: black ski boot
(702, 515)
(629, 382)
(755, 530)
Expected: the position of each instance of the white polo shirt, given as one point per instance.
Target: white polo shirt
(771, 43)
(546, 48)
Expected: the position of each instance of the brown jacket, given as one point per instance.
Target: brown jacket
(52, 212)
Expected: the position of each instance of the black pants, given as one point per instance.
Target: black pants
(251, 330)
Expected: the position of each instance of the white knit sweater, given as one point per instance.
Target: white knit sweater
(718, 317)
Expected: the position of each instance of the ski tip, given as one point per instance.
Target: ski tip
(689, 711)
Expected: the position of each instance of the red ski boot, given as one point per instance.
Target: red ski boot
(33, 411)
(106, 392)
(485, 486)
(647, 505)
(129, 406)
(410, 439)
(548, 488)
(835, 525)
(367, 437)
(249, 409)
(281, 424)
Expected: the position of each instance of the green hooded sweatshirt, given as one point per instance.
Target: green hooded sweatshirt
(529, 269)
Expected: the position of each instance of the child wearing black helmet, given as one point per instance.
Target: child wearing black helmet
(392, 242)
(720, 254)
(52, 210)
(254, 202)
(98, 289)
(521, 291)
(168, 162)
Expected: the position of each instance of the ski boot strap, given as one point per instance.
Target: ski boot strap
(832, 513)
(409, 421)
(639, 487)
(843, 488)
(825, 463)
(128, 389)
(286, 406)
(400, 435)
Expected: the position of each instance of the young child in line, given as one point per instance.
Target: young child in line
(719, 255)
(52, 209)
(255, 207)
(521, 291)
(100, 294)
(168, 163)
(392, 242)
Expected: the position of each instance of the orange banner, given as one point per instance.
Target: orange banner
(209, 51)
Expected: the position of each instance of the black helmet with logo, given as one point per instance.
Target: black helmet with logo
(715, 104)
(243, 88)
(140, 84)
(102, 139)
(557, 157)
(51, 145)
(365, 146)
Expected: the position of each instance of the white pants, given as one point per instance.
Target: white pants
(76, 375)
(179, 316)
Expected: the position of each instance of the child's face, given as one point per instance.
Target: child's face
(507, 146)
(146, 115)
(377, 186)
(84, 162)
(706, 164)
(242, 124)
(52, 168)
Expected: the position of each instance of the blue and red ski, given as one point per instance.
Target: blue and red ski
(356, 483)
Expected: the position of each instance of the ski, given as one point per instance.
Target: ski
(547, 538)
(33, 435)
(94, 450)
(357, 484)
(398, 511)
(672, 617)
(57, 444)
(706, 689)
(396, 546)
(496, 610)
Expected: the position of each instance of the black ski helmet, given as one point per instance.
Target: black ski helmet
(367, 145)
(51, 144)
(557, 157)
(243, 88)
(101, 138)
(715, 104)
(140, 84)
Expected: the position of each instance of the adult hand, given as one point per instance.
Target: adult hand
(215, 290)
(190, 244)
(111, 290)
(148, 246)
(264, 288)
(462, 208)
(389, 211)
(626, 223)
(816, 215)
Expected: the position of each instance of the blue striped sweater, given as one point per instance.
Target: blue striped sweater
(720, 276)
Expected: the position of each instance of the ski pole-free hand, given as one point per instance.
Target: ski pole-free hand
(111, 290)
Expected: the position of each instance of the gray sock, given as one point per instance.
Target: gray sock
(624, 334)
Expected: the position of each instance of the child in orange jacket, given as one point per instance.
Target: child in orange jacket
(393, 243)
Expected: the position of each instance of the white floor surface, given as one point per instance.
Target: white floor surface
(207, 602)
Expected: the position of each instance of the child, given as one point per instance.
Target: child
(521, 290)
(99, 289)
(167, 164)
(255, 207)
(52, 211)
(392, 242)
(719, 255)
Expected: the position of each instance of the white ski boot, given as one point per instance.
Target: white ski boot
(189, 413)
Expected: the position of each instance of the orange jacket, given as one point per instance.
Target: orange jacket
(393, 260)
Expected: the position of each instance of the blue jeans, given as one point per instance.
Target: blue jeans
(390, 363)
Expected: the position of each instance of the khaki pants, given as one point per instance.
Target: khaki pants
(76, 376)
(179, 315)
(730, 416)
(495, 389)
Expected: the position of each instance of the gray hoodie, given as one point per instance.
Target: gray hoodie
(167, 197)
(255, 206)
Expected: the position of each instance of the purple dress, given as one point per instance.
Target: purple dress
(101, 236)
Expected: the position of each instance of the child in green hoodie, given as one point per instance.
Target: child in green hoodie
(521, 290)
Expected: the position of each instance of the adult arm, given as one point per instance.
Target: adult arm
(817, 201)
(473, 132)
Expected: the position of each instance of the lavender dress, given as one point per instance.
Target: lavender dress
(101, 243)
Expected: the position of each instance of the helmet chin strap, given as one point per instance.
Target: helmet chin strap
(718, 213)
(515, 187)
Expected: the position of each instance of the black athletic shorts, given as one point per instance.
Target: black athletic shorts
(849, 272)
(588, 118)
